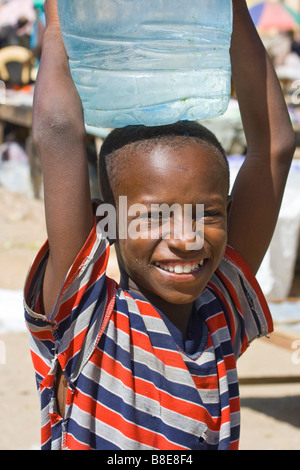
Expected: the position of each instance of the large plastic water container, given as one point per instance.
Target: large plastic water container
(150, 62)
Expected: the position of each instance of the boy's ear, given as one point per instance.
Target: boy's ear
(106, 222)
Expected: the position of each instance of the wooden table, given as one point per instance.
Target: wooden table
(20, 115)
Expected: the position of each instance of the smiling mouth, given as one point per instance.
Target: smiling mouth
(180, 268)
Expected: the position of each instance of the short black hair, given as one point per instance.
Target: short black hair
(121, 137)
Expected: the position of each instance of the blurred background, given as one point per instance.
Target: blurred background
(270, 370)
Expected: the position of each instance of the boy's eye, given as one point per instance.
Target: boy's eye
(211, 215)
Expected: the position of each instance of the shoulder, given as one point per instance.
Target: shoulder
(234, 273)
(88, 267)
(246, 310)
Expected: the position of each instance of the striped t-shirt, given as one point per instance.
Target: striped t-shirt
(134, 382)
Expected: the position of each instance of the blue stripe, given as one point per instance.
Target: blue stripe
(137, 417)
(35, 277)
(144, 372)
(251, 305)
(97, 292)
(88, 437)
(223, 349)
(46, 395)
(235, 433)
(47, 445)
(234, 390)
(206, 369)
(56, 431)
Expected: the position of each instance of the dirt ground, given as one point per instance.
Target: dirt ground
(270, 412)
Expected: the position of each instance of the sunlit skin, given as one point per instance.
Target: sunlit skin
(189, 174)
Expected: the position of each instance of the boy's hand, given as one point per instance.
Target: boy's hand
(51, 13)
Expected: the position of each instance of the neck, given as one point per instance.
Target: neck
(178, 314)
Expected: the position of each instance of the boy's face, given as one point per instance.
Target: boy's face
(165, 267)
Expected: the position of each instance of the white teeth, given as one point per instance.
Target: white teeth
(178, 269)
(187, 269)
(181, 268)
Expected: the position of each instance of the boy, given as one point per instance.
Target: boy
(151, 364)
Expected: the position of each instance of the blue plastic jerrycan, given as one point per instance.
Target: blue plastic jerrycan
(150, 62)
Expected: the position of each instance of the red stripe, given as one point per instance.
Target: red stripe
(40, 366)
(233, 293)
(74, 347)
(73, 444)
(228, 309)
(148, 389)
(43, 335)
(235, 405)
(234, 445)
(77, 342)
(147, 309)
(222, 372)
(225, 415)
(82, 255)
(209, 382)
(111, 298)
(230, 362)
(170, 358)
(216, 322)
(116, 421)
(68, 305)
(46, 433)
(142, 341)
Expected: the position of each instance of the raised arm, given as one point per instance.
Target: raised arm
(259, 186)
(59, 133)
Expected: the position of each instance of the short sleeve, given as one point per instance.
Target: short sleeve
(246, 309)
(71, 332)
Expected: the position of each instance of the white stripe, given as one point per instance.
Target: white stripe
(143, 403)
(149, 359)
(110, 433)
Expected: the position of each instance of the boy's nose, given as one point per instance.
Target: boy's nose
(187, 239)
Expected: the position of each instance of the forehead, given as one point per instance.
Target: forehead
(185, 168)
